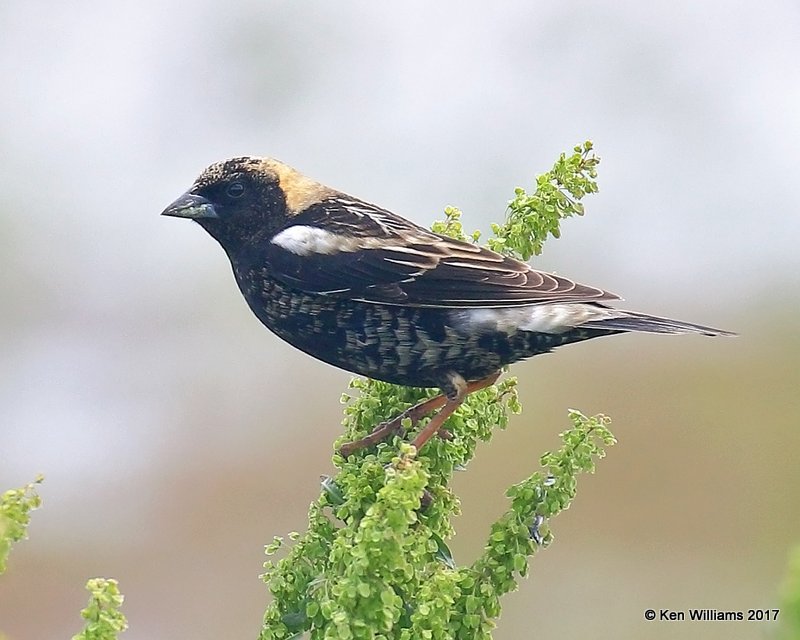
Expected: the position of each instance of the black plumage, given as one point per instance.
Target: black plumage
(368, 291)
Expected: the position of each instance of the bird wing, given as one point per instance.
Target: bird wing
(348, 248)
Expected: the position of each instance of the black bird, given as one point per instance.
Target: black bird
(368, 291)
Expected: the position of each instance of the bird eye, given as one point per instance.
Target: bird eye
(235, 190)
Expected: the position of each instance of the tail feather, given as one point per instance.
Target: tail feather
(642, 322)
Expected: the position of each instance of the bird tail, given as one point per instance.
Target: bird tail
(632, 321)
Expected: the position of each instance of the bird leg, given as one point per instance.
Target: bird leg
(386, 429)
(457, 389)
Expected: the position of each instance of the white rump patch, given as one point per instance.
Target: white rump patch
(303, 240)
(541, 318)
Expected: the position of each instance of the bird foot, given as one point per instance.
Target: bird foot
(441, 403)
(394, 426)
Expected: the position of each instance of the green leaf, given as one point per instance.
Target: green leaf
(104, 620)
(534, 217)
(15, 508)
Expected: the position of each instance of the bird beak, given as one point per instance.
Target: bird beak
(190, 206)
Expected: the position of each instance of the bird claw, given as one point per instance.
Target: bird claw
(392, 427)
(440, 403)
(383, 431)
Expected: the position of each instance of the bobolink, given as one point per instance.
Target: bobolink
(367, 291)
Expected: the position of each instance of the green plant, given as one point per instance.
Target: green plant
(15, 508)
(104, 620)
(374, 562)
(789, 620)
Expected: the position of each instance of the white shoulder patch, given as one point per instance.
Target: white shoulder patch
(303, 240)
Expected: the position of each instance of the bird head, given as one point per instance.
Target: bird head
(242, 200)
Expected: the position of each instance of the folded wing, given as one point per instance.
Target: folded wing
(348, 248)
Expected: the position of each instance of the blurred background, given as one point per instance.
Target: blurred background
(178, 436)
